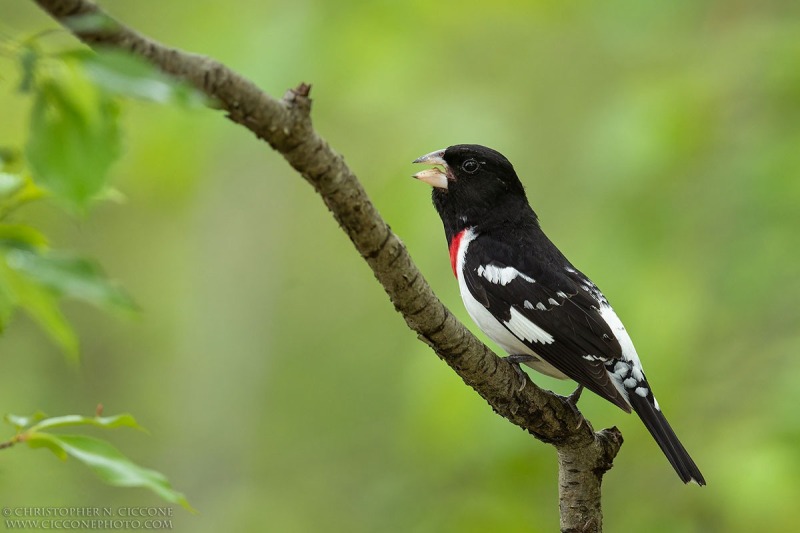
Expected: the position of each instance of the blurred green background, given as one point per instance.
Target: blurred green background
(660, 146)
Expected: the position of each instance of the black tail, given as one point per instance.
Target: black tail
(662, 432)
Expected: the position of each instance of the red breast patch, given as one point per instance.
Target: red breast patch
(455, 244)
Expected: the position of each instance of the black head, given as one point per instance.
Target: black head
(475, 186)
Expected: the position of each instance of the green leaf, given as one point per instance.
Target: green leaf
(70, 276)
(40, 302)
(123, 420)
(42, 306)
(21, 422)
(22, 236)
(74, 135)
(124, 74)
(37, 280)
(17, 192)
(45, 440)
(108, 463)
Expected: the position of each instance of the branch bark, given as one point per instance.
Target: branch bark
(583, 454)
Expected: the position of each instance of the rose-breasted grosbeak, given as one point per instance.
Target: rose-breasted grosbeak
(528, 298)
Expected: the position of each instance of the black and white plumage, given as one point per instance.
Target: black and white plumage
(528, 298)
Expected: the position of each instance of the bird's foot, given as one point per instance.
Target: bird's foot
(572, 403)
(515, 361)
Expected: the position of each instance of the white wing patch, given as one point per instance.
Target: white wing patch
(627, 374)
(525, 329)
(502, 275)
(628, 351)
(594, 358)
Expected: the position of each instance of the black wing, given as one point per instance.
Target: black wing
(558, 299)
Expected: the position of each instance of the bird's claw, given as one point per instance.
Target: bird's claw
(572, 403)
(515, 361)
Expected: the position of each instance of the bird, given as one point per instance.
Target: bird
(529, 299)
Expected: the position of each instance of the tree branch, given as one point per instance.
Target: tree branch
(584, 456)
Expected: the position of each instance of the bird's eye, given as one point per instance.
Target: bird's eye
(470, 166)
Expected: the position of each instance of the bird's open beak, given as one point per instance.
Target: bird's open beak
(434, 177)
